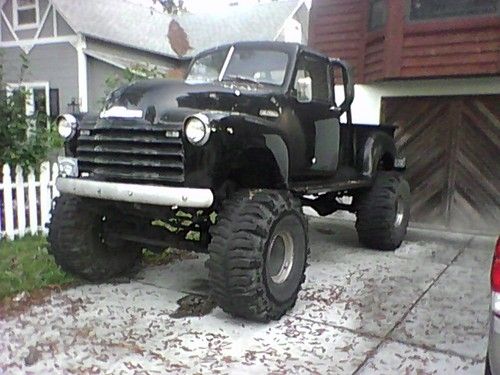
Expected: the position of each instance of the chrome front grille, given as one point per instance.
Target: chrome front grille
(132, 150)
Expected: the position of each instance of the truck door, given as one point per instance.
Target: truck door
(320, 127)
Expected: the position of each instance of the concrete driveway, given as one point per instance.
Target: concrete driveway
(420, 310)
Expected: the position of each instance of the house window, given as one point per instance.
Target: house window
(26, 14)
(429, 9)
(378, 14)
(38, 103)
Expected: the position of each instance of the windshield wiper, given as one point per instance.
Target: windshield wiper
(241, 79)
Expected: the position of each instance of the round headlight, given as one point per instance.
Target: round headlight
(197, 130)
(66, 126)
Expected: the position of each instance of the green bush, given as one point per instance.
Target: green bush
(24, 140)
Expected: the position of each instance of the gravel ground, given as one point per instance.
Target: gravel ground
(420, 310)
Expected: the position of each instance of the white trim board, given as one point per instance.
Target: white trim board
(9, 27)
(104, 59)
(32, 42)
(54, 21)
(42, 22)
(368, 98)
(81, 45)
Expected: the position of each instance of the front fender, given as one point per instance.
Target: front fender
(255, 147)
(276, 145)
(377, 147)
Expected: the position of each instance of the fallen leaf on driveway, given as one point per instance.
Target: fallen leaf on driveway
(33, 356)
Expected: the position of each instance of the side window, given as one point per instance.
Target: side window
(317, 70)
(378, 14)
(432, 9)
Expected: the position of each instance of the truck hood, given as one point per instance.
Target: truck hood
(166, 98)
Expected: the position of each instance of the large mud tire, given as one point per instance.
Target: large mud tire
(76, 243)
(487, 368)
(258, 254)
(383, 212)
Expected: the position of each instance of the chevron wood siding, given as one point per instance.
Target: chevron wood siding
(452, 145)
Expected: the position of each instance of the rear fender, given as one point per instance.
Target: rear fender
(378, 147)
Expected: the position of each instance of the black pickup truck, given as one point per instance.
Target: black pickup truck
(223, 162)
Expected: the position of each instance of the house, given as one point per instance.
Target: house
(73, 46)
(432, 68)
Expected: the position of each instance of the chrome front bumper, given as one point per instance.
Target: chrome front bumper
(146, 194)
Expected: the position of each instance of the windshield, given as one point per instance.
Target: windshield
(207, 68)
(247, 65)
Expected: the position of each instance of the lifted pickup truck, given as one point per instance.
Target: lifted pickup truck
(223, 162)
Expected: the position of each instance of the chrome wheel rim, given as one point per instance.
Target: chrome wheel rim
(280, 257)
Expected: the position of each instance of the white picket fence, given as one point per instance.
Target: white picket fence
(25, 204)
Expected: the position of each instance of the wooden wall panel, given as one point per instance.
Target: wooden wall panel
(337, 29)
(452, 145)
(475, 201)
(405, 49)
(438, 52)
(374, 59)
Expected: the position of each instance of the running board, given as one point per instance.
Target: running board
(325, 186)
(160, 244)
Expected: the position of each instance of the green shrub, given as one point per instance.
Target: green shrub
(24, 140)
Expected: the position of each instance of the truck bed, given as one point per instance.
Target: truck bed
(348, 175)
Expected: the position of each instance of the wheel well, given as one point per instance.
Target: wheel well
(386, 162)
(257, 168)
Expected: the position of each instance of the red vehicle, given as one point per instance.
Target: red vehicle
(493, 356)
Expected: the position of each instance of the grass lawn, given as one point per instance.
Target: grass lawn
(25, 265)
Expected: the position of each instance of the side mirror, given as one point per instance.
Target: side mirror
(304, 89)
(348, 87)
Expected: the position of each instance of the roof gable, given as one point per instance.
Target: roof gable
(239, 23)
(118, 21)
(137, 26)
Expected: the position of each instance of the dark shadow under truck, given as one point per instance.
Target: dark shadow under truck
(226, 159)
